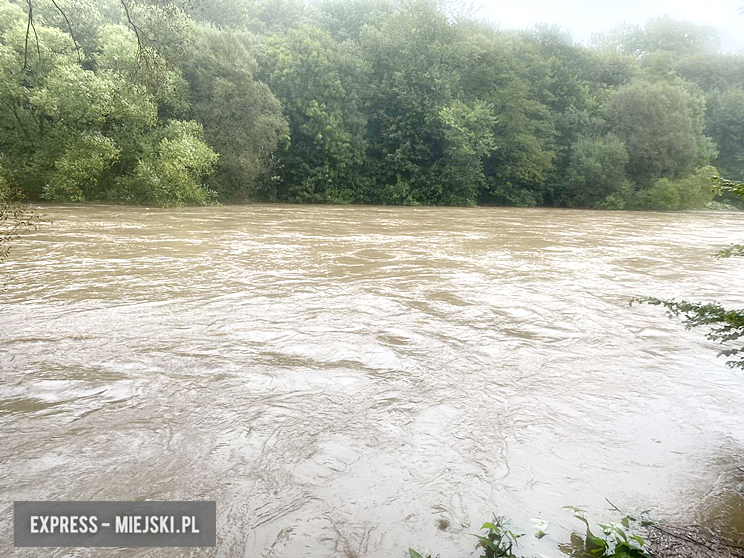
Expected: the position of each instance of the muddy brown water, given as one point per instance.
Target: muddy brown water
(352, 381)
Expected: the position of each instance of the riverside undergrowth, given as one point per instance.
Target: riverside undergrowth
(610, 540)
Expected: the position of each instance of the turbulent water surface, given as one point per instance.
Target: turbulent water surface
(352, 381)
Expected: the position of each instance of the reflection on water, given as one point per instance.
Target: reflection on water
(351, 381)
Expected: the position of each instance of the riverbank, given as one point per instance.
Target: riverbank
(613, 540)
(693, 541)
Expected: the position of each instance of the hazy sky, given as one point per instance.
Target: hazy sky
(582, 17)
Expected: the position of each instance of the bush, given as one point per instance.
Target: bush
(171, 173)
(77, 172)
(693, 192)
(662, 195)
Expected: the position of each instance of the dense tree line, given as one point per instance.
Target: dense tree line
(358, 101)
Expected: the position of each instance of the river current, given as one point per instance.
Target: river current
(352, 381)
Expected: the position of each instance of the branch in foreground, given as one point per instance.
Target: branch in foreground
(15, 220)
(69, 27)
(725, 325)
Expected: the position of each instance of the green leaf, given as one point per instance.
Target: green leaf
(593, 542)
(515, 536)
(486, 542)
(621, 533)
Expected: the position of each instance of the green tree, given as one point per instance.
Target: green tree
(360, 101)
(242, 118)
(321, 84)
(468, 140)
(725, 124)
(345, 19)
(563, 76)
(263, 17)
(74, 127)
(660, 34)
(415, 60)
(662, 127)
(518, 171)
(596, 172)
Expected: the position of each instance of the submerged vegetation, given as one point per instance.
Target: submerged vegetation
(361, 101)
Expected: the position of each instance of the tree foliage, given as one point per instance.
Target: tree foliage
(596, 171)
(242, 119)
(662, 126)
(362, 101)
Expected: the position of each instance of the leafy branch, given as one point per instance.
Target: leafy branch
(15, 220)
(616, 540)
(724, 186)
(726, 325)
(69, 27)
(30, 25)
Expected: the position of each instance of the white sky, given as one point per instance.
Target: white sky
(582, 17)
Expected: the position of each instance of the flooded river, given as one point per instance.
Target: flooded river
(352, 381)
